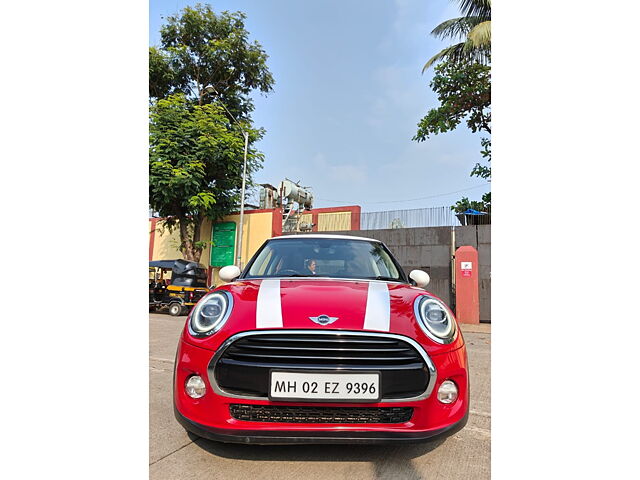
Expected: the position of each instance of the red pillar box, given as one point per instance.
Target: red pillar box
(467, 294)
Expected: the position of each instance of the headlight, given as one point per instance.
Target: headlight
(435, 319)
(210, 314)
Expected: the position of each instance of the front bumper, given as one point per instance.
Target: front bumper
(281, 437)
(210, 416)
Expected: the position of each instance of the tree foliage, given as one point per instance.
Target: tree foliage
(195, 166)
(209, 57)
(473, 30)
(162, 79)
(200, 80)
(483, 171)
(463, 83)
(464, 94)
(464, 204)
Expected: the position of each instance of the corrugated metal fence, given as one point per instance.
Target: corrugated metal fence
(419, 217)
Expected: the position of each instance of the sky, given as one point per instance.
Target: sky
(347, 99)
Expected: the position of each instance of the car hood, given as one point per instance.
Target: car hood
(355, 305)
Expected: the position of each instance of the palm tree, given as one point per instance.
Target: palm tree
(474, 28)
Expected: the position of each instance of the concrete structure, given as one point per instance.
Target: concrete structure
(432, 249)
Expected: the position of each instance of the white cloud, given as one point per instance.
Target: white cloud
(346, 173)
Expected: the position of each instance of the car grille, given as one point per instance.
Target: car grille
(273, 413)
(243, 368)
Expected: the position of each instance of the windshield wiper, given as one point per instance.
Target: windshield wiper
(382, 277)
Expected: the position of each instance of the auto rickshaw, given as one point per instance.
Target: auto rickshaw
(176, 284)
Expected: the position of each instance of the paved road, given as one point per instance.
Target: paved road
(174, 454)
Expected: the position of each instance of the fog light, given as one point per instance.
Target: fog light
(448, 392)
(195, 387)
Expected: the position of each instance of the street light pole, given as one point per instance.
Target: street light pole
(244, 179)
(244, 176)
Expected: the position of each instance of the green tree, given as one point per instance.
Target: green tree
(483, 205)
(200, 80)
(473, 30)
(464, 94)
(209, 57)
(195, 166)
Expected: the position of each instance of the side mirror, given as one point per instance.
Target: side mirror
(229, 273)
(421, 278)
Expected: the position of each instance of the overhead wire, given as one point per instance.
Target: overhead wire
(407, 200)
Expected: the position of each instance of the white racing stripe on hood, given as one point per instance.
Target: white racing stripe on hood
(269, 306)
(377, 314)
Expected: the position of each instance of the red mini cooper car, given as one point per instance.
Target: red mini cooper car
(322, 339)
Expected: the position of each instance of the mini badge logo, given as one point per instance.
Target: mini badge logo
(323, 319)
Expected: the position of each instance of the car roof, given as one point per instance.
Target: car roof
(320, 235)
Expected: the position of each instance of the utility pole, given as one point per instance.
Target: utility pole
(244, 176)
(244, 179)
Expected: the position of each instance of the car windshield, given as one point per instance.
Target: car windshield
(325, 257)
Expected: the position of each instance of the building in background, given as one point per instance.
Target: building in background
(258, 226)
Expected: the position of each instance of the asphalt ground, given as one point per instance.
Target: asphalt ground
(175, 454)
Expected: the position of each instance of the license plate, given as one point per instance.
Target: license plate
(324, 386)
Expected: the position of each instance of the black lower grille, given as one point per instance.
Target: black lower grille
(243, 368)
(273, 413)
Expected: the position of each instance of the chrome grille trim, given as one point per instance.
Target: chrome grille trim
(433, 374)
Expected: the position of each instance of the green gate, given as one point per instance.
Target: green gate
(223, 236)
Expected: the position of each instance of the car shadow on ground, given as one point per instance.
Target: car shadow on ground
(389, 461)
